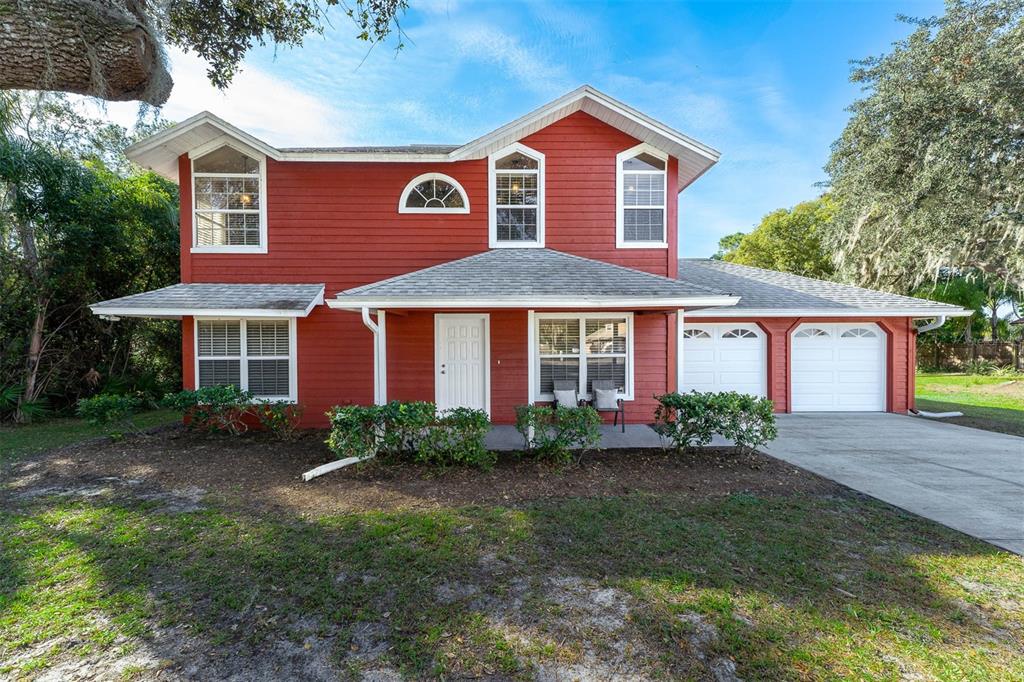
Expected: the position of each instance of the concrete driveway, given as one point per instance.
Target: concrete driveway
(964, 478)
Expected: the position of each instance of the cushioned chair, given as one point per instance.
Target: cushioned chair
(610, 403)
(563, 389)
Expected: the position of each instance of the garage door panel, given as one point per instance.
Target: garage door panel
(724, 363)
(834, 372)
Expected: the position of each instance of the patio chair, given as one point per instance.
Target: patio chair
(605, 400)
(565, 392)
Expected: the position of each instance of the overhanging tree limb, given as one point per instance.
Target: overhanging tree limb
(104, 48)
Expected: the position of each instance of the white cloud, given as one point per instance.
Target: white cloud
(527, 66)
(261, 104)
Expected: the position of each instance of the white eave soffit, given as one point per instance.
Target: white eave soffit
(161, 151)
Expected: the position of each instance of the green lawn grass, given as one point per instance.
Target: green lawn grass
(798, 588)
(993, 403)
(18, 441)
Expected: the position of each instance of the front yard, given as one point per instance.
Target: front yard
(178, 555)
(988, 402)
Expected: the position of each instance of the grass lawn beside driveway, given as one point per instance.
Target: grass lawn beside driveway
(17, 441)
(178, 555)
(990, 403)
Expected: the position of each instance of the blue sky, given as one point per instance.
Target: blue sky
(764, 83)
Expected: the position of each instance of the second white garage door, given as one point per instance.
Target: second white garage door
(838, 367)
(724, 357)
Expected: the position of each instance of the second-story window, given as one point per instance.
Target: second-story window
(517, 197)
(228, 199)
(433, 193)
(641, 202)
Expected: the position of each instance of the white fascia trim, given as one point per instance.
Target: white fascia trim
(585, 92)
(199, 119)
(365, 157)
(226, 313)
(203, 150)
(823, 312)
(620, 204)
(355, 303)
(432, 176)
(492, 208)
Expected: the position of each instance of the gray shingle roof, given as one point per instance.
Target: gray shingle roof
(192, 299)
(529, 276)
(768, 290)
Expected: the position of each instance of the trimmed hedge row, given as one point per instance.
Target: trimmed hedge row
(691, 419)
(411, 431)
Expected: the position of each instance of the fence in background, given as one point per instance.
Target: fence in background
(953, 357)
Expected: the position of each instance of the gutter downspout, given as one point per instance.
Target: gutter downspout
(379, 388)
(934, 324)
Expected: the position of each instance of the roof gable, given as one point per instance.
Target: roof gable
(160, 152)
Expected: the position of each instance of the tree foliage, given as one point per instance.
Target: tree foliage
(73, 231)
(787, 240)
(114, 49)
(930, 167)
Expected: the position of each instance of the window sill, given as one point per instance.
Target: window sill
(641, 245)
(549, 398)
(516, 245)
(229, 249)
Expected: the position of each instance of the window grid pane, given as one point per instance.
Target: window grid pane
(516, 189)
(227, 193)
(559, 337)
(644, 224)
(266, 338)
(268, 377)
(605, 336)
(234, 228)
(606, 368)
(517, 224)
(555, 368)
(219, 373)
(644, 189)
(219, 338)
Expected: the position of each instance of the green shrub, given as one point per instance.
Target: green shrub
(457, 438)
(552, 434)
(410, 431)
(113, 412)
(280, 419)
(213, 408)
(691, 419)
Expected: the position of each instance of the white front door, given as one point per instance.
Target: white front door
(724, 357)
(462, 361)
(838, 368)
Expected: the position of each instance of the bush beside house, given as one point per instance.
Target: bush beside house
(692, 419)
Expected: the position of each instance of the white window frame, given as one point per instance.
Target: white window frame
(492, 189)
(535, 355)
(620, 203)
(402, 208)
(225, 141)
(243, 357)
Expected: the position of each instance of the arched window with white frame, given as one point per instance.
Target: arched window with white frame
(516, 212)
(641, 220)
(229, 197)
(433, 193)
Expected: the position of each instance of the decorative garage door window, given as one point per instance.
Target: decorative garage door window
(254, 355)
(433, 193)
(739, 334)
(227, 198)
(695, 334)
(812, 333)
(583, 349)
(858, 333)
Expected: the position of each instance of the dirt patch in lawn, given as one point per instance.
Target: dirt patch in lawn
(177, 467)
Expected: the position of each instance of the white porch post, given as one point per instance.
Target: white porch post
(380, 355)
(679, 350)
(531, 358)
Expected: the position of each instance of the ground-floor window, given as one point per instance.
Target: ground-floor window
(255, 355)
(583, 348)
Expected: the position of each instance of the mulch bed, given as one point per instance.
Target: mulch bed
(263, 474)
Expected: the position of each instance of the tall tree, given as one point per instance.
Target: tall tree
(930, 167)
(114, 49)
(787, 240)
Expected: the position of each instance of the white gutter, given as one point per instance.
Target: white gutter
(380, 375)
(361, 303)
(934, 324)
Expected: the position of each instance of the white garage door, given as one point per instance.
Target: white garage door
(724, 357)
(838, 367)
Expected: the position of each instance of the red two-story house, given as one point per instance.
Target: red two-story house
(480, 274)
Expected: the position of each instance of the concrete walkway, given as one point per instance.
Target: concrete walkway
(505, 437)
(964, 478)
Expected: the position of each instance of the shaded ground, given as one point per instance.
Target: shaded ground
(185, 557)
(989, 403)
